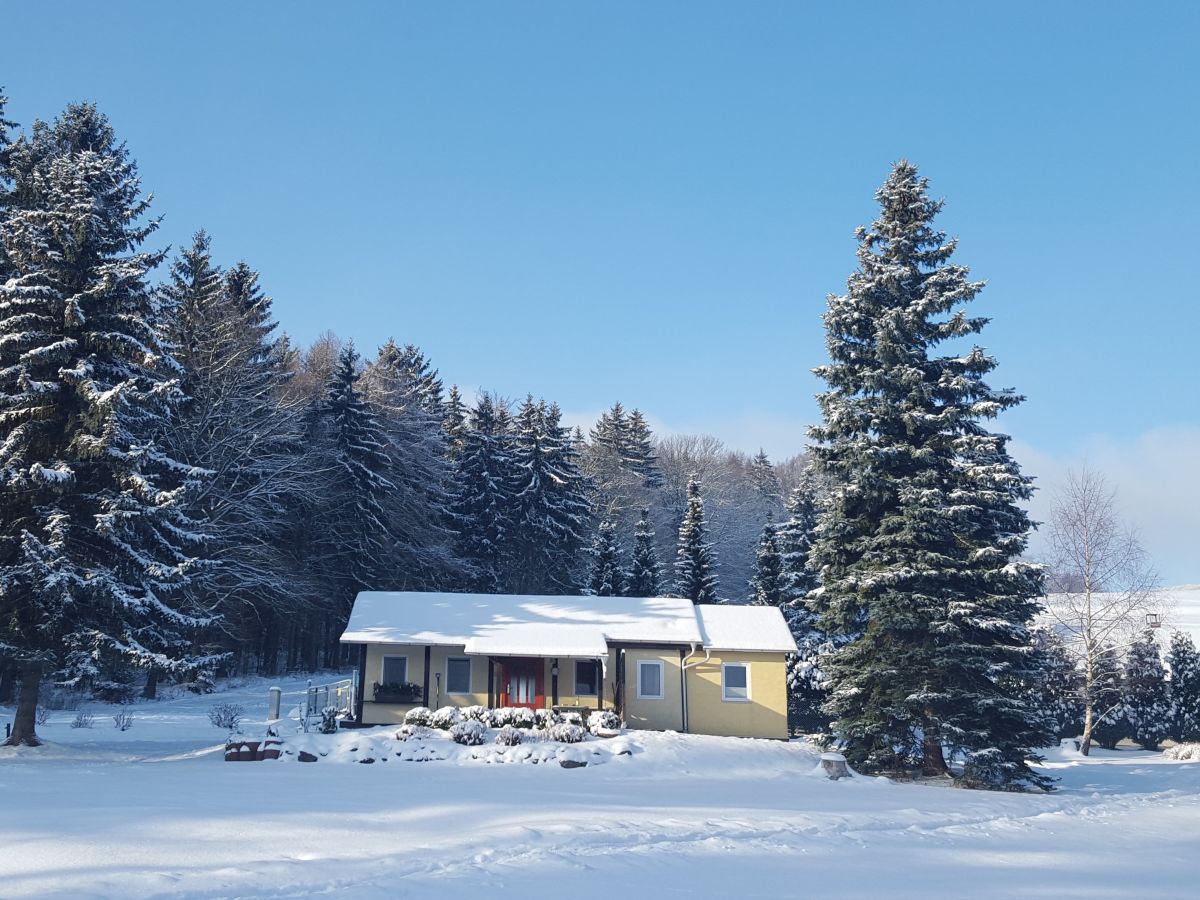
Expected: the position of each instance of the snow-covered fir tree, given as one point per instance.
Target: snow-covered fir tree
(920, 544)
(763, 477)
(638, 450)
(484, 490)
(1058, 695)
(360, 539)
(608, 577)
(1108, 699)
(96, 546)
(694, 575)
(454, 423)
(405, 393)
(549, 514)
(645, 579)
(238, 426)
(1147, 707)
(767, 585)
(1184, 663)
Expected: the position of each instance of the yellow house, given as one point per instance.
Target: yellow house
(658, 662)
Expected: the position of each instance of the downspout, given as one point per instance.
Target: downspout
(684, 665)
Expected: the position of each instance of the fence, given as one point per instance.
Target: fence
(315, 698)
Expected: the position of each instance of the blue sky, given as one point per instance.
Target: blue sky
(650, 202)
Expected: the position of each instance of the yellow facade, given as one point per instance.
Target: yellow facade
(708, 711)
(762, 715)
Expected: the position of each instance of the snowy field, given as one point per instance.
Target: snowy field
(155, 811)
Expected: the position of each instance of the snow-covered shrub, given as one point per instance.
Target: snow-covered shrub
(566, 733)
(123, 720)
(603, 720)
(469, 733)
(411, 732)
(226, 715)
(524, 718)
(477, 713)
(1183, 752)
(547, 717)
(41, 715)
(573, 718)
(329, 720)
(420, 715)
(508, 736)
(445, 718)
(83, 720)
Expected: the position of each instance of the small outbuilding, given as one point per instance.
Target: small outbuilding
(658, 662)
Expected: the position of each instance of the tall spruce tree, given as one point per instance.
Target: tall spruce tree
(644, 571)
(454, 423)
(237, 425)
(405, 394)
(920, 544)
(549, 513)
(1184, 663)
(484, 489)
(638, 451)
(607, 578)
(96, 545)
(360, 542)
(768, 586)
(1058, 696)
(694, 575)
(1147, 708)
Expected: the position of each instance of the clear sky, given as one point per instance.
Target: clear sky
(650, 201)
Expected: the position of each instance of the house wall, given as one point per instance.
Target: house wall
(764, 715)
(660, 715)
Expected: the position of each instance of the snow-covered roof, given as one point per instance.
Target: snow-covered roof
(745, 628)
(514, 624)
(519, 625)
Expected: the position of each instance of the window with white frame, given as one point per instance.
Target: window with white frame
(587, 677)
(735, 681)
(394, 670)
(650, 679)
(458, 675)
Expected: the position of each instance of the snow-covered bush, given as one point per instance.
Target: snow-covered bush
(445, 718)
(83, 720)
(517, 716)
(227, 716)
(573, 718)
(603, 720)
(420, 715)
(477, 713)
(410, 732)
(1183, 752)
(509, 736)
(329, 720)
(123, 720)
(566, 733)
(469, 733)
(547, 717)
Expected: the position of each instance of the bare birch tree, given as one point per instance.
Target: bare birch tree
(1101, 587)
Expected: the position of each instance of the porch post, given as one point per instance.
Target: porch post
(554, 682)
(600, 684)
(425, 686)
(491, 683)
(362, 683)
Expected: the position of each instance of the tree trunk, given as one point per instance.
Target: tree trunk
(150, 691)
(935, 759)
(1089, 723)
(24, 730)
(8, 686)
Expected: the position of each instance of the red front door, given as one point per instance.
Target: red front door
(522, 682)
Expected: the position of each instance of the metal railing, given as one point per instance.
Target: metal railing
(315, 699)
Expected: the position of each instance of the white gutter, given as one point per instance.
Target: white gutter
(684, 666)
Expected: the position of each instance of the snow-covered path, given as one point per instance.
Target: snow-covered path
(161, 814)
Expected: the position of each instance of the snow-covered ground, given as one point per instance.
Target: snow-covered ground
(155, 811)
